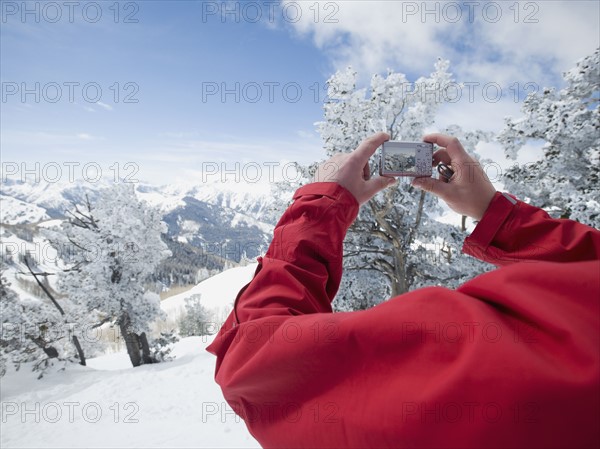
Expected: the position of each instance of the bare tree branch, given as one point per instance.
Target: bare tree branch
(43, 273)
(50, 351)
(43, 287)
(101, 323)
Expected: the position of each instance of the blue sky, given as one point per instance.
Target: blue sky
(177, 56)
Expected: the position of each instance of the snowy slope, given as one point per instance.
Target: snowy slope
(109, 404)
(173, 404)
(218, 293)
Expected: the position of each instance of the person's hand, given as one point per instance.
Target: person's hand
(468, 191)
(351, 170)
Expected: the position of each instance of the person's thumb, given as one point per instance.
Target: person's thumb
(431, 185)
(377, 184)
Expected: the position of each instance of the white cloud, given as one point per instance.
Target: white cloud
(307, 135)
(39, 144)
(37, 138)
(371, 36)
(105, 106)
(183, 160)
(485, 44)
(229, 151)
(478, 114)
(178, 134)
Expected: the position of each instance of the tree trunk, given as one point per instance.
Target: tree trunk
(79, 350)
(399, 276)
(132, 341)
(147, 358)
(50, 351)
(399, 284)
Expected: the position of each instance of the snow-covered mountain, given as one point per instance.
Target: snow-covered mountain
(14, 211)
(253, 200)
(208, 224)
(54, 198)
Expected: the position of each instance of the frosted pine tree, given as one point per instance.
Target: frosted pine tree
(30, 332)
(565, 181)
(113, 248)
(395, 244)
(197, 319)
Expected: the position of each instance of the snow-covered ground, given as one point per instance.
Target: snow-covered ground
(109, 404)
(218, 293)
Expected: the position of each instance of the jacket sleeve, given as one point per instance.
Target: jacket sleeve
(397, 374)
(295, 281)
(513, 231)
(301, 271)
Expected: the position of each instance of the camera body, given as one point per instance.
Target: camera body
(406, 159)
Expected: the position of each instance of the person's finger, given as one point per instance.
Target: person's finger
(431, 185)
(452, 145)
(442, 156)
(374, 185)
(366, 172)
(368, 147)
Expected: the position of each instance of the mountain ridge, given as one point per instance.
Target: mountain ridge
(210, 226)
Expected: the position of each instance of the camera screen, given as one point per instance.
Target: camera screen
(406, 159)
(402, 161)
(399, 158)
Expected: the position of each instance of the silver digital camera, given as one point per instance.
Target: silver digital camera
(406, 159)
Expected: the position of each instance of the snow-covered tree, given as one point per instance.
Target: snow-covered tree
(112, 248)
(28, 331)
(161, 346)
(197, 319)
(565, 181)
(386, 246)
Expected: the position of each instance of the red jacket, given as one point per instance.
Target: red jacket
(509, 359)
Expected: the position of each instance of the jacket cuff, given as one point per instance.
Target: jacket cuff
(344, 200)
(492, 221)
(329, 189)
